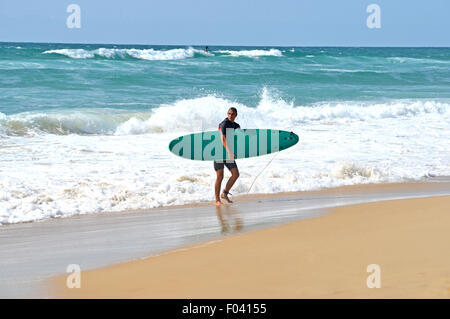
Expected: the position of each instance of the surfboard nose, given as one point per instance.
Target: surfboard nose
(292, 136)
(289, 139)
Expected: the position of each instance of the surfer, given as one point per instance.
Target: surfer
(206, 49)
(227, 123)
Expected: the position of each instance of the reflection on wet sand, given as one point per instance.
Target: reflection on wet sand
(229, 218)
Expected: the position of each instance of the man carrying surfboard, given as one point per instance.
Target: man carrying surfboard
(227, 123)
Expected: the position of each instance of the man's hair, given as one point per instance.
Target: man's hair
(233, 109)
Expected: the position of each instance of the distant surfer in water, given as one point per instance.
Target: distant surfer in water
(227, 123)
(206, 49)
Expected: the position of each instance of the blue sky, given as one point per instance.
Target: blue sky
(230, 22)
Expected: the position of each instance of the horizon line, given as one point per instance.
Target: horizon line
(237, 45)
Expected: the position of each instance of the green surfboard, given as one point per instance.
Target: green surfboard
(207, 146)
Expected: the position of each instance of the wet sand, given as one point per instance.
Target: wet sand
(322, 257)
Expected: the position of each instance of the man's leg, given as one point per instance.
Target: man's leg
(219, 179)
(230, 183)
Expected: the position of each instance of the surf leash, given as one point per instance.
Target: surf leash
(254, 180)
(262, 171)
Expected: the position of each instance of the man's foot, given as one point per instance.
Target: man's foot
(218, 203)
(225, 196)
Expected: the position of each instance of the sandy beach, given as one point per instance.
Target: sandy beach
(322, 257)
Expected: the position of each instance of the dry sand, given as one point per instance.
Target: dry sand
(325, 257)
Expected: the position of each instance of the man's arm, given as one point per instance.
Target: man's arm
(225, 143)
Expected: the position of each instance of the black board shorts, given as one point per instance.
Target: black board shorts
(221, 164)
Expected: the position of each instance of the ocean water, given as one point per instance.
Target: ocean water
(85, 128)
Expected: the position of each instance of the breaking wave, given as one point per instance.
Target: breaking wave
(142, 54)
(204, 113)
(161, 55)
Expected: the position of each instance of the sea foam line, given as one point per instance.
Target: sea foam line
(252, 53)
(152, 54)
(143, 54)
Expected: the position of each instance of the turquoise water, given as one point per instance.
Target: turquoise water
(78, 76)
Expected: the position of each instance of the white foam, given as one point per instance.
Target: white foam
(150, 54)
(351, 71)
(416, 60)
(72, 53)
(205, 113)
(252, 53)
(82, 121)
(348, 170)
(182, 116)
